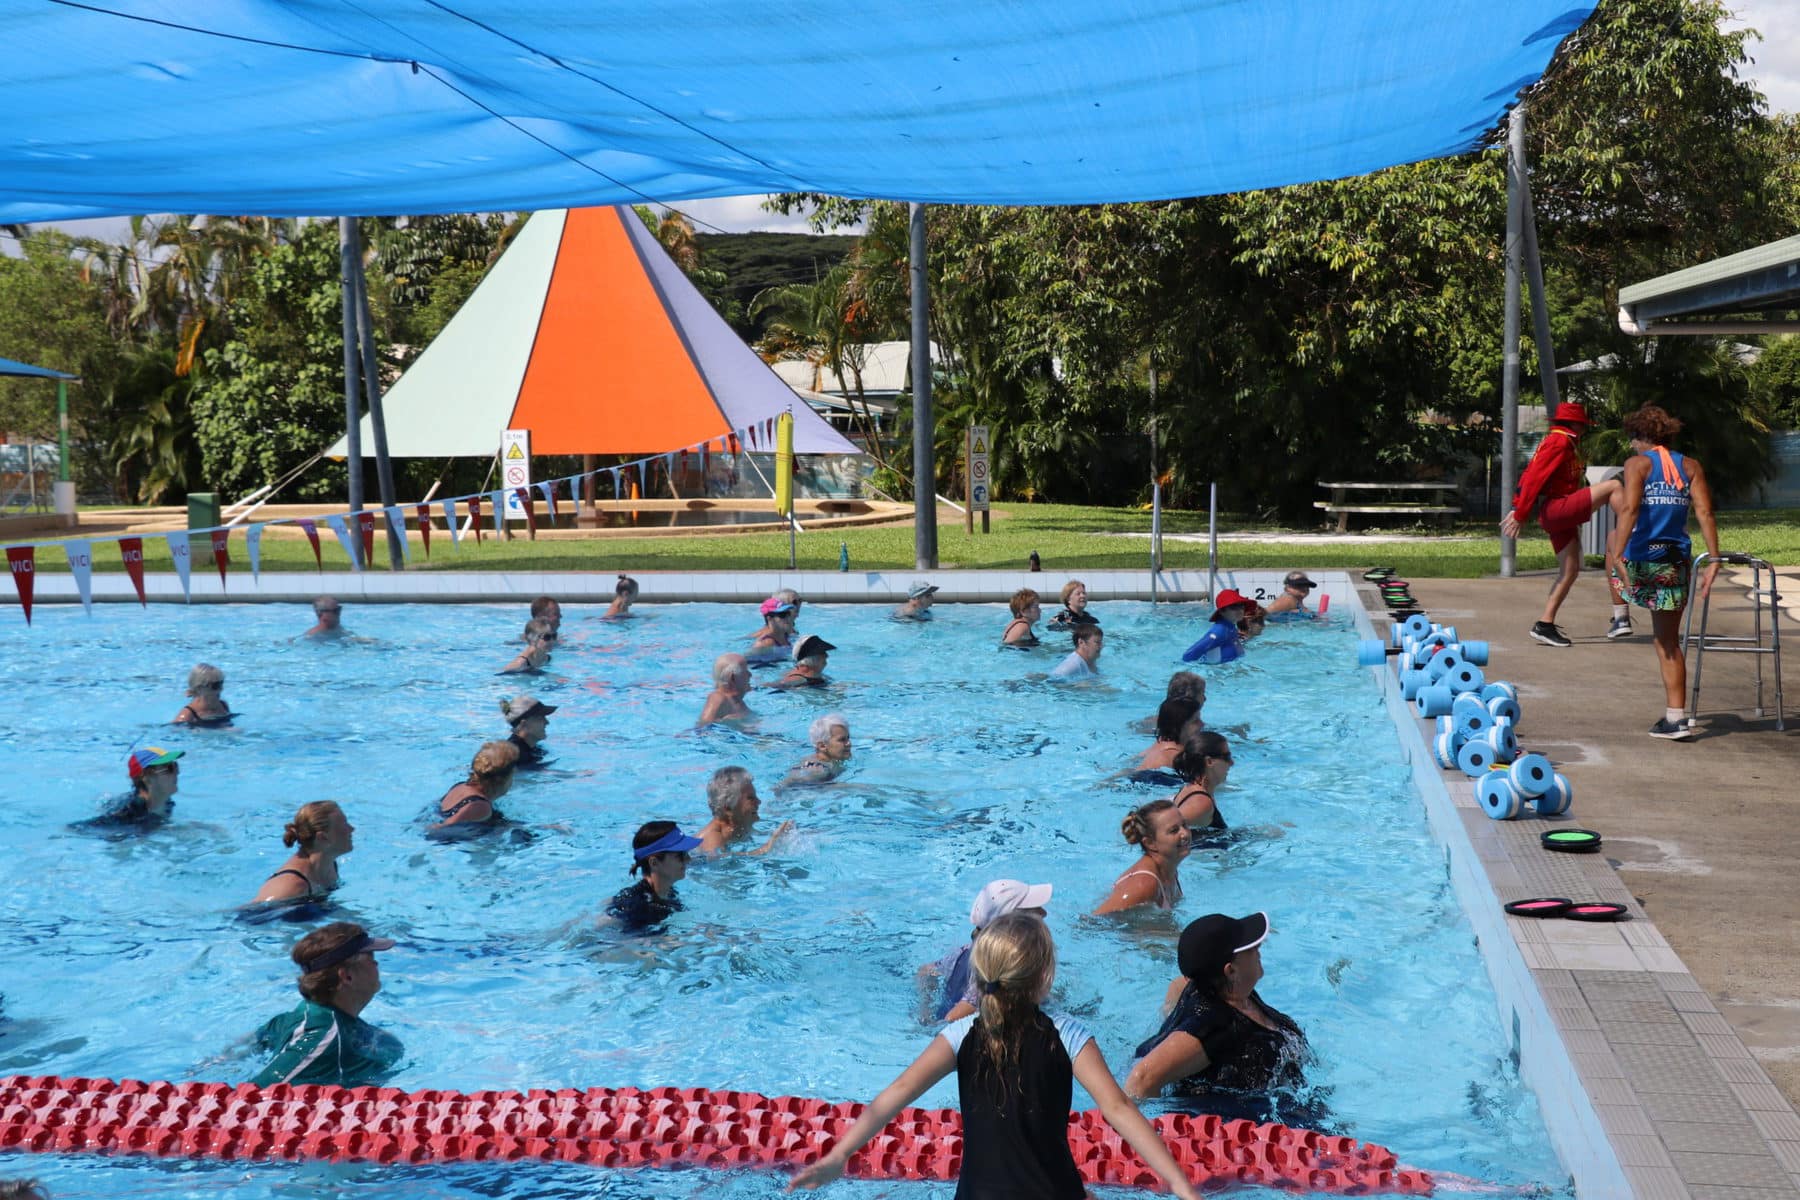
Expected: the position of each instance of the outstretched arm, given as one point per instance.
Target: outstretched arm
(937, 1061)
(1123, 1115)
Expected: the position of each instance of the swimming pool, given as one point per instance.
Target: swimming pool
(789, 974)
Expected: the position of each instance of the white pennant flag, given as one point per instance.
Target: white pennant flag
(345, 540)
(253, 548)
(81, 566)
(614, 472)
(178, 550)
(449, 507)
(396, 520)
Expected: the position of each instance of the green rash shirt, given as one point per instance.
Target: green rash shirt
(316, 1043)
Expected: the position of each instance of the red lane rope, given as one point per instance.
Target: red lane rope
(626, 1127)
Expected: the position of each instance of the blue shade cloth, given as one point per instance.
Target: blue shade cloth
(9, 367)
(319, 107)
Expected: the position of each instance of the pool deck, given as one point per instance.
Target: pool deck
(1682, 1025)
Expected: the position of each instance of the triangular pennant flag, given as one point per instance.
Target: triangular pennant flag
(253, 548)
(396, 521)
(498, 501)
(524, 495)
(424, 513)
(312, 535)
(365, 524)
(341, 528)
(705, 448)
(450, 522)
(24, 567)
(178, 551)
(548, 487)
(732, 443)
(132, 551)
(614, 472)
(81, 566)
(475, 517)
(221, 542)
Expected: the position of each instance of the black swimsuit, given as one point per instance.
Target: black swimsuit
(1025, 643)
(312, 892)
(213, 722)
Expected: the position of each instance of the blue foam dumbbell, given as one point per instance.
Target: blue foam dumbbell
(1411, 680)
(1443, 748)
(1434, 700)
(1531, 775)
(1474, 757)
(1470, 716)
(1370, 653)
(1498, 798)
(1416, 626)
(1556, 799)
(1475, 652)
(1464, 678)
(1503, 740)
(1504, 706)
(1500, 687)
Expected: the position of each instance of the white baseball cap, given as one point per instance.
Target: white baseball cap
(1006, 895)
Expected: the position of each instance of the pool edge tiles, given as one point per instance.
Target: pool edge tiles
(1645, 1090)
(886, 586)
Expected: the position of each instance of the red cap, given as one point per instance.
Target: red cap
(1571, 412)
(1227, 598)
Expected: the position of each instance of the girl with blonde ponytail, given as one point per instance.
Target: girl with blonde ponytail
(1015, 1067)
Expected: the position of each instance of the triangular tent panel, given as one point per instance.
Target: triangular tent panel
(587, 334)
(353, 107)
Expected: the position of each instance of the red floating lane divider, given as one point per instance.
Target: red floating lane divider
(628, 1127)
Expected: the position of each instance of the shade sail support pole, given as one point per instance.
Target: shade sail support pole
(925, 540)
(1509, 381)
(371, 377)
(347, 263)
(1540, 307)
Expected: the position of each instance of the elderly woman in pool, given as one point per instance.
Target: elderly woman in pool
(205, 708)
(731, 683)
(731, 796)
(1026, 609)
(540, 640)
(320, 834)
(469, 806)
(775, 641)
(831, 751)
(1154, 879)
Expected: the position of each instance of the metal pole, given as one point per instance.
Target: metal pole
(1155, 535)
(968, 480)
(352, 417)
(925, 543)
(62, 430)
(371, 377)
(1509, 382)
(1212, 540)
(1540, 309)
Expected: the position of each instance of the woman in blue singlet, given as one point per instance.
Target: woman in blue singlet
(1654, 552)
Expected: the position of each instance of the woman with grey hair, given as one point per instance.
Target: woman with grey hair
(205, 707)
(830, 736)
(731, 795)
(731, 682)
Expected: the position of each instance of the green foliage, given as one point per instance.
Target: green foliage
(1775, 381)
(747, 264)
(273, 395)
(51, 317)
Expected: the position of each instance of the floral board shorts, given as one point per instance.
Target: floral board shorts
(1657, 586)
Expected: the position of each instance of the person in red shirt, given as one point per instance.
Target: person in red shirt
(1554, 489)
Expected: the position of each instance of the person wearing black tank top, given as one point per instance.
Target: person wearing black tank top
(322, 834)
(1015, 1068)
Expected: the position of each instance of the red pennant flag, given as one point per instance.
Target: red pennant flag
(312, 535)
(524, 495)
(221, 539)
(732, 442)
(475, 514)
(424, 511)
(132, 551)
(24, 570)
(365, 521)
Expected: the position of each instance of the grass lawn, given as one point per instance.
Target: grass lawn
(1065, 536)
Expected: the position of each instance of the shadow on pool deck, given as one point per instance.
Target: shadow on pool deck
(1705, 833)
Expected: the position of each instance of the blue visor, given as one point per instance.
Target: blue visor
(672, 842)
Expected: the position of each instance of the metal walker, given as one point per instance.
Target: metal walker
(1725, 644)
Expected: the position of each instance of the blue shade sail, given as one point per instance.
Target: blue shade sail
(324, 107)
(9, 367)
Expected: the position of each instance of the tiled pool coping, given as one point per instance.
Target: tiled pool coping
(1645, 1089)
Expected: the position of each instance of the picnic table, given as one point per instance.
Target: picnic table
(1389, 499)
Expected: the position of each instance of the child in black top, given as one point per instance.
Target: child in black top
(1015, 1065)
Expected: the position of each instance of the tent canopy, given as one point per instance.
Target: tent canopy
(358, 107)
(9, 367)
(587, 334)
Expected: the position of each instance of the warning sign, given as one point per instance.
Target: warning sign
(978, 468)
(515, 468)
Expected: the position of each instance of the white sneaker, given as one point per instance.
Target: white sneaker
(1620, 627)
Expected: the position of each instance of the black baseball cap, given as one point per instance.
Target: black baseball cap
(1298, 579)
(1212, 941)
(812, 643)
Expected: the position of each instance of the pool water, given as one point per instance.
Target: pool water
(788, 974)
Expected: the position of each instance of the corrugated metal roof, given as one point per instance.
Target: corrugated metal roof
(1750, 280)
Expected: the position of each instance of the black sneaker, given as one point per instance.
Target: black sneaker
(1672, 731)
(1620, 627)
(1549, 635)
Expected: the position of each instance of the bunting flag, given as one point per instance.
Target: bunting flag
(81, 566)
(132, 551)
(451, 523)
(548, 487)
(22, 561)
(396, 521)
(221, 542)
(365, 523)
(253, 548)
(424, 515)
(497, 502)
(614, 472)
(475, 517)
(341, 529)
(178, 551)
(524, 495)
(312, 535)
